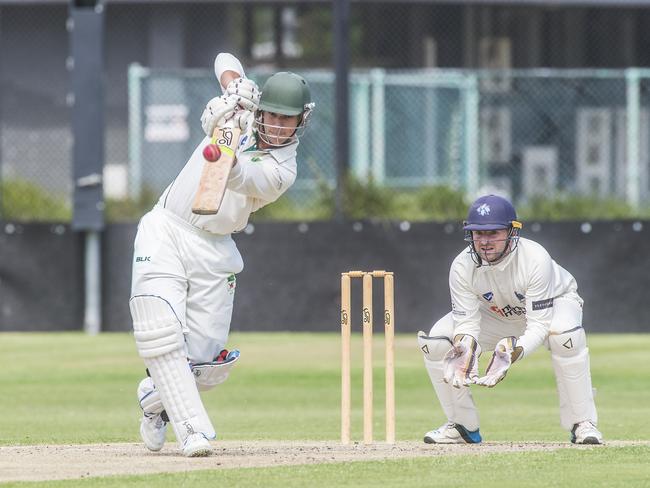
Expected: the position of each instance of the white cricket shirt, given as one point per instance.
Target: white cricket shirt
(520, 289)
(258, 178)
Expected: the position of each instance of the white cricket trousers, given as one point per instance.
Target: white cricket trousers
(194, 271)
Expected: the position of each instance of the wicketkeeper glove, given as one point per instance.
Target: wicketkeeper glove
(460, 364)
(216, 112)
(245, 92)
(505, 353)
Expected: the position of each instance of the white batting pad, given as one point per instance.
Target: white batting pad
(457, 403)
(159, 340)
(570, 358)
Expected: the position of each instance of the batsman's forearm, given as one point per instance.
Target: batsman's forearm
(227, 77)
(226, 62)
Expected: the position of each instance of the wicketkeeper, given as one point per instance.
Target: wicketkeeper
(507, 296)
(184, 264)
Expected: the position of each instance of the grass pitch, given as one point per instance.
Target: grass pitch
(69, 388)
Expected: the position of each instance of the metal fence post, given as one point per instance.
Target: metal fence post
(471, 135)
(341, 28)
(378, 115)
(633, 114)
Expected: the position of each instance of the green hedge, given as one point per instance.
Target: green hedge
(371, 201)
(438, 203)
(25, 201)
(569, 207)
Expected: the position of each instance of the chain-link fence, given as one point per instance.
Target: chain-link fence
(35, 134)
(549, 133)
(525, 134)
(438, 112)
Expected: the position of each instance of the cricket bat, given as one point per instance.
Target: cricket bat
(214, 176)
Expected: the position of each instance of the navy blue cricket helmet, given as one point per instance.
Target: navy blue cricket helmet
(492, 212)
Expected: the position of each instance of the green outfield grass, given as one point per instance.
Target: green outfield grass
(63, 388)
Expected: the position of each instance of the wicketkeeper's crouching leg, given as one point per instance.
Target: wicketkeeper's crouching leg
(159, 339)
(570, 358)
(462, 424)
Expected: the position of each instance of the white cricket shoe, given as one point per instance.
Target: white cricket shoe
(196, 445)
(152, 430)
(451, 433)
(434, 434)
(586, 433)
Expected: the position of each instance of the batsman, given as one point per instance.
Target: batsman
(508, 296)
(185, 264)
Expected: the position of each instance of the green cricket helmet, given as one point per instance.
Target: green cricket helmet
(284, 93)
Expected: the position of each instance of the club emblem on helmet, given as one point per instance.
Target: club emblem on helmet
(483, 209)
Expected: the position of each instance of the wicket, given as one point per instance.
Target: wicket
(346, 331)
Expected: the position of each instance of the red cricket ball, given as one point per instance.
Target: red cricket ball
(211, 152)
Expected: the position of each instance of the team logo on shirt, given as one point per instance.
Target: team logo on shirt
(232, 284)
(508, 310)
(521, 297)
(484, 209)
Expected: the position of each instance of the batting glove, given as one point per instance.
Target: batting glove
(216, 112)
(460, 364)
(243, 119)
(245, 92)
(505, 353)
